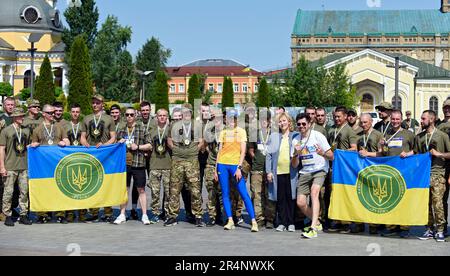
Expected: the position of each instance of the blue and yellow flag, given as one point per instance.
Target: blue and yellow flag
(389, 190)
(74, 178)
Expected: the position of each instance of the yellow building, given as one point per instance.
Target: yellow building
(422, 86)
(19, 19)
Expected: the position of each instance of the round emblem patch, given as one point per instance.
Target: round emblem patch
(380, 188)
(79, 176)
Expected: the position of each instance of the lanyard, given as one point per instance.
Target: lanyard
(160, 137)
(75, 133)
(307, 140)
(50, 134)
(393, 136)
(368, 137)
(336, 134)
(187, 133)
(385, 130)
(18, 134)
(99, 119)
(428, 142)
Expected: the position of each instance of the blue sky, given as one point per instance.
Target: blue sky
(254, 32)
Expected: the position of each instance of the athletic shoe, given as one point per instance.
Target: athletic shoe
(428, 235)
(155, 219)
(9, 222)
(120, 220)
(62, 220)
(440, 237)
(311, 234)
(199, 222)
(25, 221)
(171, 222)
(281, 228)
(229, 225)
(291, 228)
(145, 220)
(254, 226)
(319, 228)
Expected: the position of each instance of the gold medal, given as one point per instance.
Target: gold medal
(50, 142)
(76, 143)
(160, 149)
(96, 132)
(333, 147)
(20, 148)
(386, 149)
(187, 142)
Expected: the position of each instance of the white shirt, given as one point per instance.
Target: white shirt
(311, 161)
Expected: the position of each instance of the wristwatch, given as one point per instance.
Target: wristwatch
(240, 167)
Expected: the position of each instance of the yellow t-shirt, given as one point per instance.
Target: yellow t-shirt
(284, 160)
(231, 140)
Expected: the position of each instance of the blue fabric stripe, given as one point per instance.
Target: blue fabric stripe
(415, 169)
(43, 160)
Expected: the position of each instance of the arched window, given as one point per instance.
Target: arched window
(399, 103)
(434, 104)
(57, 72)
(27, 79)
(367, 103)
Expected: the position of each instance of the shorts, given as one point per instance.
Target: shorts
(139, 177)
(305, 181)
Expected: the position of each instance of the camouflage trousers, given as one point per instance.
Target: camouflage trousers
(22, 177)
(185, 171)
(438, 186)
(264, 208)
(214, 192)
(156, 178)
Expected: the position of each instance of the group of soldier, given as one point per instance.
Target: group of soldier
(178, 155)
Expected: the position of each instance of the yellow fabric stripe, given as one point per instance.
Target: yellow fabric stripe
(45, 195)
(412, 210)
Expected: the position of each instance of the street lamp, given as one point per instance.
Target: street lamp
(74, 3)
(33, 38)
(397, 67)
(143, 74)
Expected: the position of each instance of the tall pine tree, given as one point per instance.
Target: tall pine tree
(45, 86)
(263, 94)
(161, 90)
(125, 79)
(80, 76)
(227, 94)
(194, 89)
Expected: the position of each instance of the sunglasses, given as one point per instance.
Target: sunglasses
(49, 113)
(129, 114)
(301, 124)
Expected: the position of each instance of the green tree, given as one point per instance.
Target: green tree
(125, 77)
(82, 20)
(110, 43)
(161, 89)
(151, 57)
(263, 94)
(194, 89)
(80, 76)
(227, 94)
(6, 89)
(24, 94)
(344, 93)
(301, 90)
(45, 86)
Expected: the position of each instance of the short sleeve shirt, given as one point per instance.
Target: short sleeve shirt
(438, 141)
(231, 140)
(160, 160)
(311, 161)
(43, 135)
(370, 141)
(400, 142)
(342, 138)
(185, 139)
(73, 132)
(15, 151)
(105, 127)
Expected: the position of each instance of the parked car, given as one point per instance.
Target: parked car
(375, 117)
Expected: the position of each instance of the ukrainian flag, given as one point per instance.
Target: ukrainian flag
(388, 190)
(74, 178)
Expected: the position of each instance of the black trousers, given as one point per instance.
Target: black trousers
(285, 203)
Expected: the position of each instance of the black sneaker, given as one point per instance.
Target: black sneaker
(43, 220)
(91, 219)
(134, 215)
(335, 227)
(25, 221)
(345, 229)
(199, 222)
(15, 214)
(211, 223)
(108, 219)
(269, 225)
(9, 222)
(62, 220)
(171, 222)
(190, 219)
(373, 230)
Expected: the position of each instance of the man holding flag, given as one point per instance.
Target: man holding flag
(13, 165)
(438, 144)
(50, 134)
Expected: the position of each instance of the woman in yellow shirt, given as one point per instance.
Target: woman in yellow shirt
(232, 149)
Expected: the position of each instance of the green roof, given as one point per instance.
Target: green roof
(371, 22)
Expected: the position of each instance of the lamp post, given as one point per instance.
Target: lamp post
(143, 74)
(33, 38)
(397, 67)
(74, 3)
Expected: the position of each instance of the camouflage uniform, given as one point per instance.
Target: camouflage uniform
(440, 142)
(445, 127)
(156, 177)
(185, 171)
(185, 167)
(2, 216)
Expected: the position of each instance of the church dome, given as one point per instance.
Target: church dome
(29, 15)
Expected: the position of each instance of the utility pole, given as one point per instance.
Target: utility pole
(397, 67)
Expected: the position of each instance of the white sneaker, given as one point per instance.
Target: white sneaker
(291, 228)
(145, 220)
(120, 220)
(281, 228)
